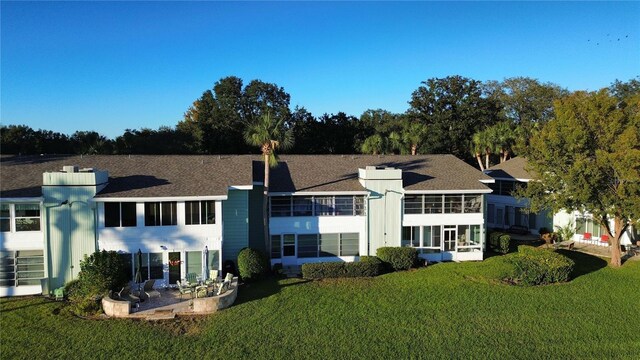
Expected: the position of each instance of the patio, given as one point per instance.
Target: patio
(169, 305)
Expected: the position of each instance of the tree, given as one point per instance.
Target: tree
(413, 135)
(588, 159)
(503, 137)
(270, 134)
(374, 144)
(454, 108)
(625, 90)
(91, 143)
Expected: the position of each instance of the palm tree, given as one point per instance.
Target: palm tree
(504, 139)
(478, 145)
(269, 134)
(374, 144)
(413, 133)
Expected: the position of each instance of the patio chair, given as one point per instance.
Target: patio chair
(192, 278)
(213, 277)
(148, 289)
(586, 237)
(126, 295)
(224, 287)
(184, 289)
(229, 277)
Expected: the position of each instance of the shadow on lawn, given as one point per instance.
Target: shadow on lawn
(585, 263)
(263, 289)
(6, 309)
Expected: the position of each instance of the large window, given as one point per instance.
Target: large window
(199, 212)
(24, 267)
(439, 203)
(410, 236)
(469, 238)
(128, 264)
(307, 246)
(587, 225)
(160, 213)
(194, 262)
(282, 206)
(118, 214)
(275, 246)
(27, 217)
(315, 245)
(505, 187)
(428, 239)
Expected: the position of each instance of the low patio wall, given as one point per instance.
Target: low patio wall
(115, 308)
(214, 303)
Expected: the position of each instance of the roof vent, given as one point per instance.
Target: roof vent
(70, 169)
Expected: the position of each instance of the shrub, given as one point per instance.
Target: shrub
(535, 266)
(368, 267)
(252, 264)
(100, 272)
(398, 258)
(499, 242)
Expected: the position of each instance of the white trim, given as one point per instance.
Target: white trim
(155, 199)
(487, 191)
(23, 200)
(512, 179)
(318, 193)
(487, 181)
(241, 187)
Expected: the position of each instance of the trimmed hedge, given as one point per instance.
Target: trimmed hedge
(499, 242)
(536, 266)
(398, 258)
(252, 264)
(368, 266)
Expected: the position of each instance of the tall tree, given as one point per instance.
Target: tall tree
(625, 90)
(454, 108)
(270, 134)
(588, 159)
(90, 142)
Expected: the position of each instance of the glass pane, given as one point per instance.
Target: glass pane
(532, 220)
(453, 204)
(472, 203)
(169, 213)
(413, 204)
(214, 260)
(194, 262)
(280, 206)
(474, 234)
(27, 210)
(426, 236)
(323, 205)
(506, 187)
(463, 235)
(275, 246)
(405, 240)
(344, 205)
(4, 210)
(329, 245)
(111, 214)
(349, 244)
(491, 213)
(288, 245)
(5, 225)
(155, 266)
(128, 214)
(359, 205)
(152, 214)
(302, 206)
(192, 212)
(433, 204)
(435, 235)
(307, 245)
(128, 264)
(27, 224)
(144, 268)
(208, 212)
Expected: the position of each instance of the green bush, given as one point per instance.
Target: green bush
(398, 258)
(499, 242)
(368, 266)
(536, 266)
(100, 272)
(252, 264)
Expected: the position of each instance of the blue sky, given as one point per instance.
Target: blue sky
(108, 66)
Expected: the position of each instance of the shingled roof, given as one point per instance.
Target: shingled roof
(133, 176)
(311, 173)
(512, 168)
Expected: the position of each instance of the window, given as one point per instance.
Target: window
(506, 187)
(588, 225)
(128, 264)
(144, 266)
(532, 220)
(5, 218)
(281, 206)
(344, 205)
(453, 204)
(214, 259)
(194, 262)
(413, 204)
(430, 239)
(288, 245)
(307, 246)
(472, 203)
(302, 206)
(23, 267)
(323, 205)
(27, 217)
(491, 213)
(350, 244)
(433, 204)
(199, 212)
(275, 246)
(410, 236)
(468, 238)
(160, 213)
(329, 245)
(358, 205)
(155, 266)
(119, 214)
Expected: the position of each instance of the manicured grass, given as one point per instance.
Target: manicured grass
(445, 310)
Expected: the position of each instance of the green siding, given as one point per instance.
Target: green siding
(235, 224)
(256, 232)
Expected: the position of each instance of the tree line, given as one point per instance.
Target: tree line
(481, 122)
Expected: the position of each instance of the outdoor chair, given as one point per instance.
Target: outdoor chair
(213, 277)
(148, 289)
(184, 289)
(586, 237)
(224, 287)
(192, 279)
(125, 294)
(229, 277)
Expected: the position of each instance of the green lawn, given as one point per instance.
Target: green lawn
(445, 310)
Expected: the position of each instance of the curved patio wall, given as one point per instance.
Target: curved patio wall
(115, 308)
(212, 304)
